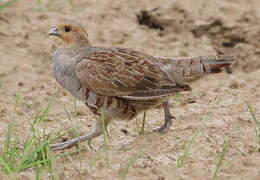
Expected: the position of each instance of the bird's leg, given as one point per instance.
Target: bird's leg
(167, 119)
(97, 130)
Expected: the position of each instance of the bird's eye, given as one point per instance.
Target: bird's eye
(67, 29)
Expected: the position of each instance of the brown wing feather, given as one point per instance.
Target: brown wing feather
(119, 72)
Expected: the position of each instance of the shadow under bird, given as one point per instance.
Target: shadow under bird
(120, 82)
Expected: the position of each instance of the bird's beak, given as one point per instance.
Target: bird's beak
(54, 31)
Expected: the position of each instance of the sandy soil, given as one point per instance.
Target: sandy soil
(217, 106)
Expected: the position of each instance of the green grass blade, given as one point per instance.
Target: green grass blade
(63, 154)
(37, 174)
(17, 101)
(105, 136)
(257, 126)
(130, 162)
(141, 132)
(8, 134)
(220, 160)
(182, 158)
(71, 3)
(45, 113)
(6, 4)
(6, 167)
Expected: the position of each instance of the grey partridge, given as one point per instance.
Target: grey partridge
(119, 82)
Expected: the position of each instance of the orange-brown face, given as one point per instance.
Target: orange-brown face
(69, 33)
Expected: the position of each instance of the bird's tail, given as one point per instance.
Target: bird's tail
(193, 68)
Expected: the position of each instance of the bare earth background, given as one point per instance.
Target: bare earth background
(217, 106)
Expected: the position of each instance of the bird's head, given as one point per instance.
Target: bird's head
(72, 34)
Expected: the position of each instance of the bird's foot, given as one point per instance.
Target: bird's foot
(164, 128)
(64, 145)
(74, 142)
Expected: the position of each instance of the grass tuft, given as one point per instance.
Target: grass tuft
(33, 153)
(182, 158)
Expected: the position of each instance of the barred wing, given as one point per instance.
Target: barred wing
(120, 72)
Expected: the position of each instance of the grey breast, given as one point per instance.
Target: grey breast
(64, 73)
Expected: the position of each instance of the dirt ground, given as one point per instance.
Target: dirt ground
(217, 106)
